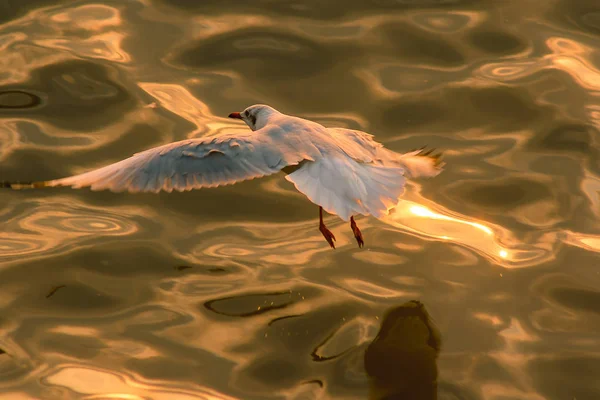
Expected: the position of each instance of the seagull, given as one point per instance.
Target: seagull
(343, 171)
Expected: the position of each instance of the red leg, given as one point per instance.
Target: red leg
(326, 232)
(357, 232)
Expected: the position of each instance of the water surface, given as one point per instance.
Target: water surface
(232, 293)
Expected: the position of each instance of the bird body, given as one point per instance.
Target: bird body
(344, 171)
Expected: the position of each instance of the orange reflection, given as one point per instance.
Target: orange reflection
(479, 236)
(180, 101)
(446, 22)
(588, 242)
(593, 112)
(91, 17)
(567, 55)
(508, 70)
(99, 19)
(106, 46)
(590, 186)
(572, 57)
(97, 37)
(374, 290)
(19, 396)
(98, 383)
(493, 320)
(514, 359)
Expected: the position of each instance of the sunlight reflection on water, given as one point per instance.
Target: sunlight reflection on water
(475, 235)
(102, 384)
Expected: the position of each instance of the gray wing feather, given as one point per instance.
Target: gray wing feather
(192, 164)
(360, 145)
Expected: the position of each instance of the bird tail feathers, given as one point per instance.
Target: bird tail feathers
(421, 163)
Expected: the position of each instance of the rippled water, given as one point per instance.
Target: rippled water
(233, 292)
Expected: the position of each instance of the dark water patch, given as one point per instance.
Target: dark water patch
(38, 166)
(84, 347)
(578, 15)
(276, 372)
(566, 138)
(591, 20)
(304, 69)
(260, 53)
(453, 109)
(249, 305)
(506, 195)
(504, 104)
(496, 42)
(408, 114)
(452, 391)
(125, 260)
(80, 95)
(18, 99)
(402, 79)
(314, 9)
(189, 369)
(578, 299)
(416, 46)
(566, 376)
(487, 369)
(75, 297)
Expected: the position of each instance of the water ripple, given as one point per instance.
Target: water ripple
(58, 226)
(233, 291)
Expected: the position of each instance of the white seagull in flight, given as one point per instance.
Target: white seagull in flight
(343, 171)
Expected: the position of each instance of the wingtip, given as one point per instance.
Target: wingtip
(22, 185)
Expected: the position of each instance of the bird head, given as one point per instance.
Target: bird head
(256, 116)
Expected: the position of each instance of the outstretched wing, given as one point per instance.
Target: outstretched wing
(191, 164)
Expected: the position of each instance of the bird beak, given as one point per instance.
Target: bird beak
(235, 115)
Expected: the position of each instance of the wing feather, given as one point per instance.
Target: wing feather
(196, 163)
(363, 148)
(359, 145)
